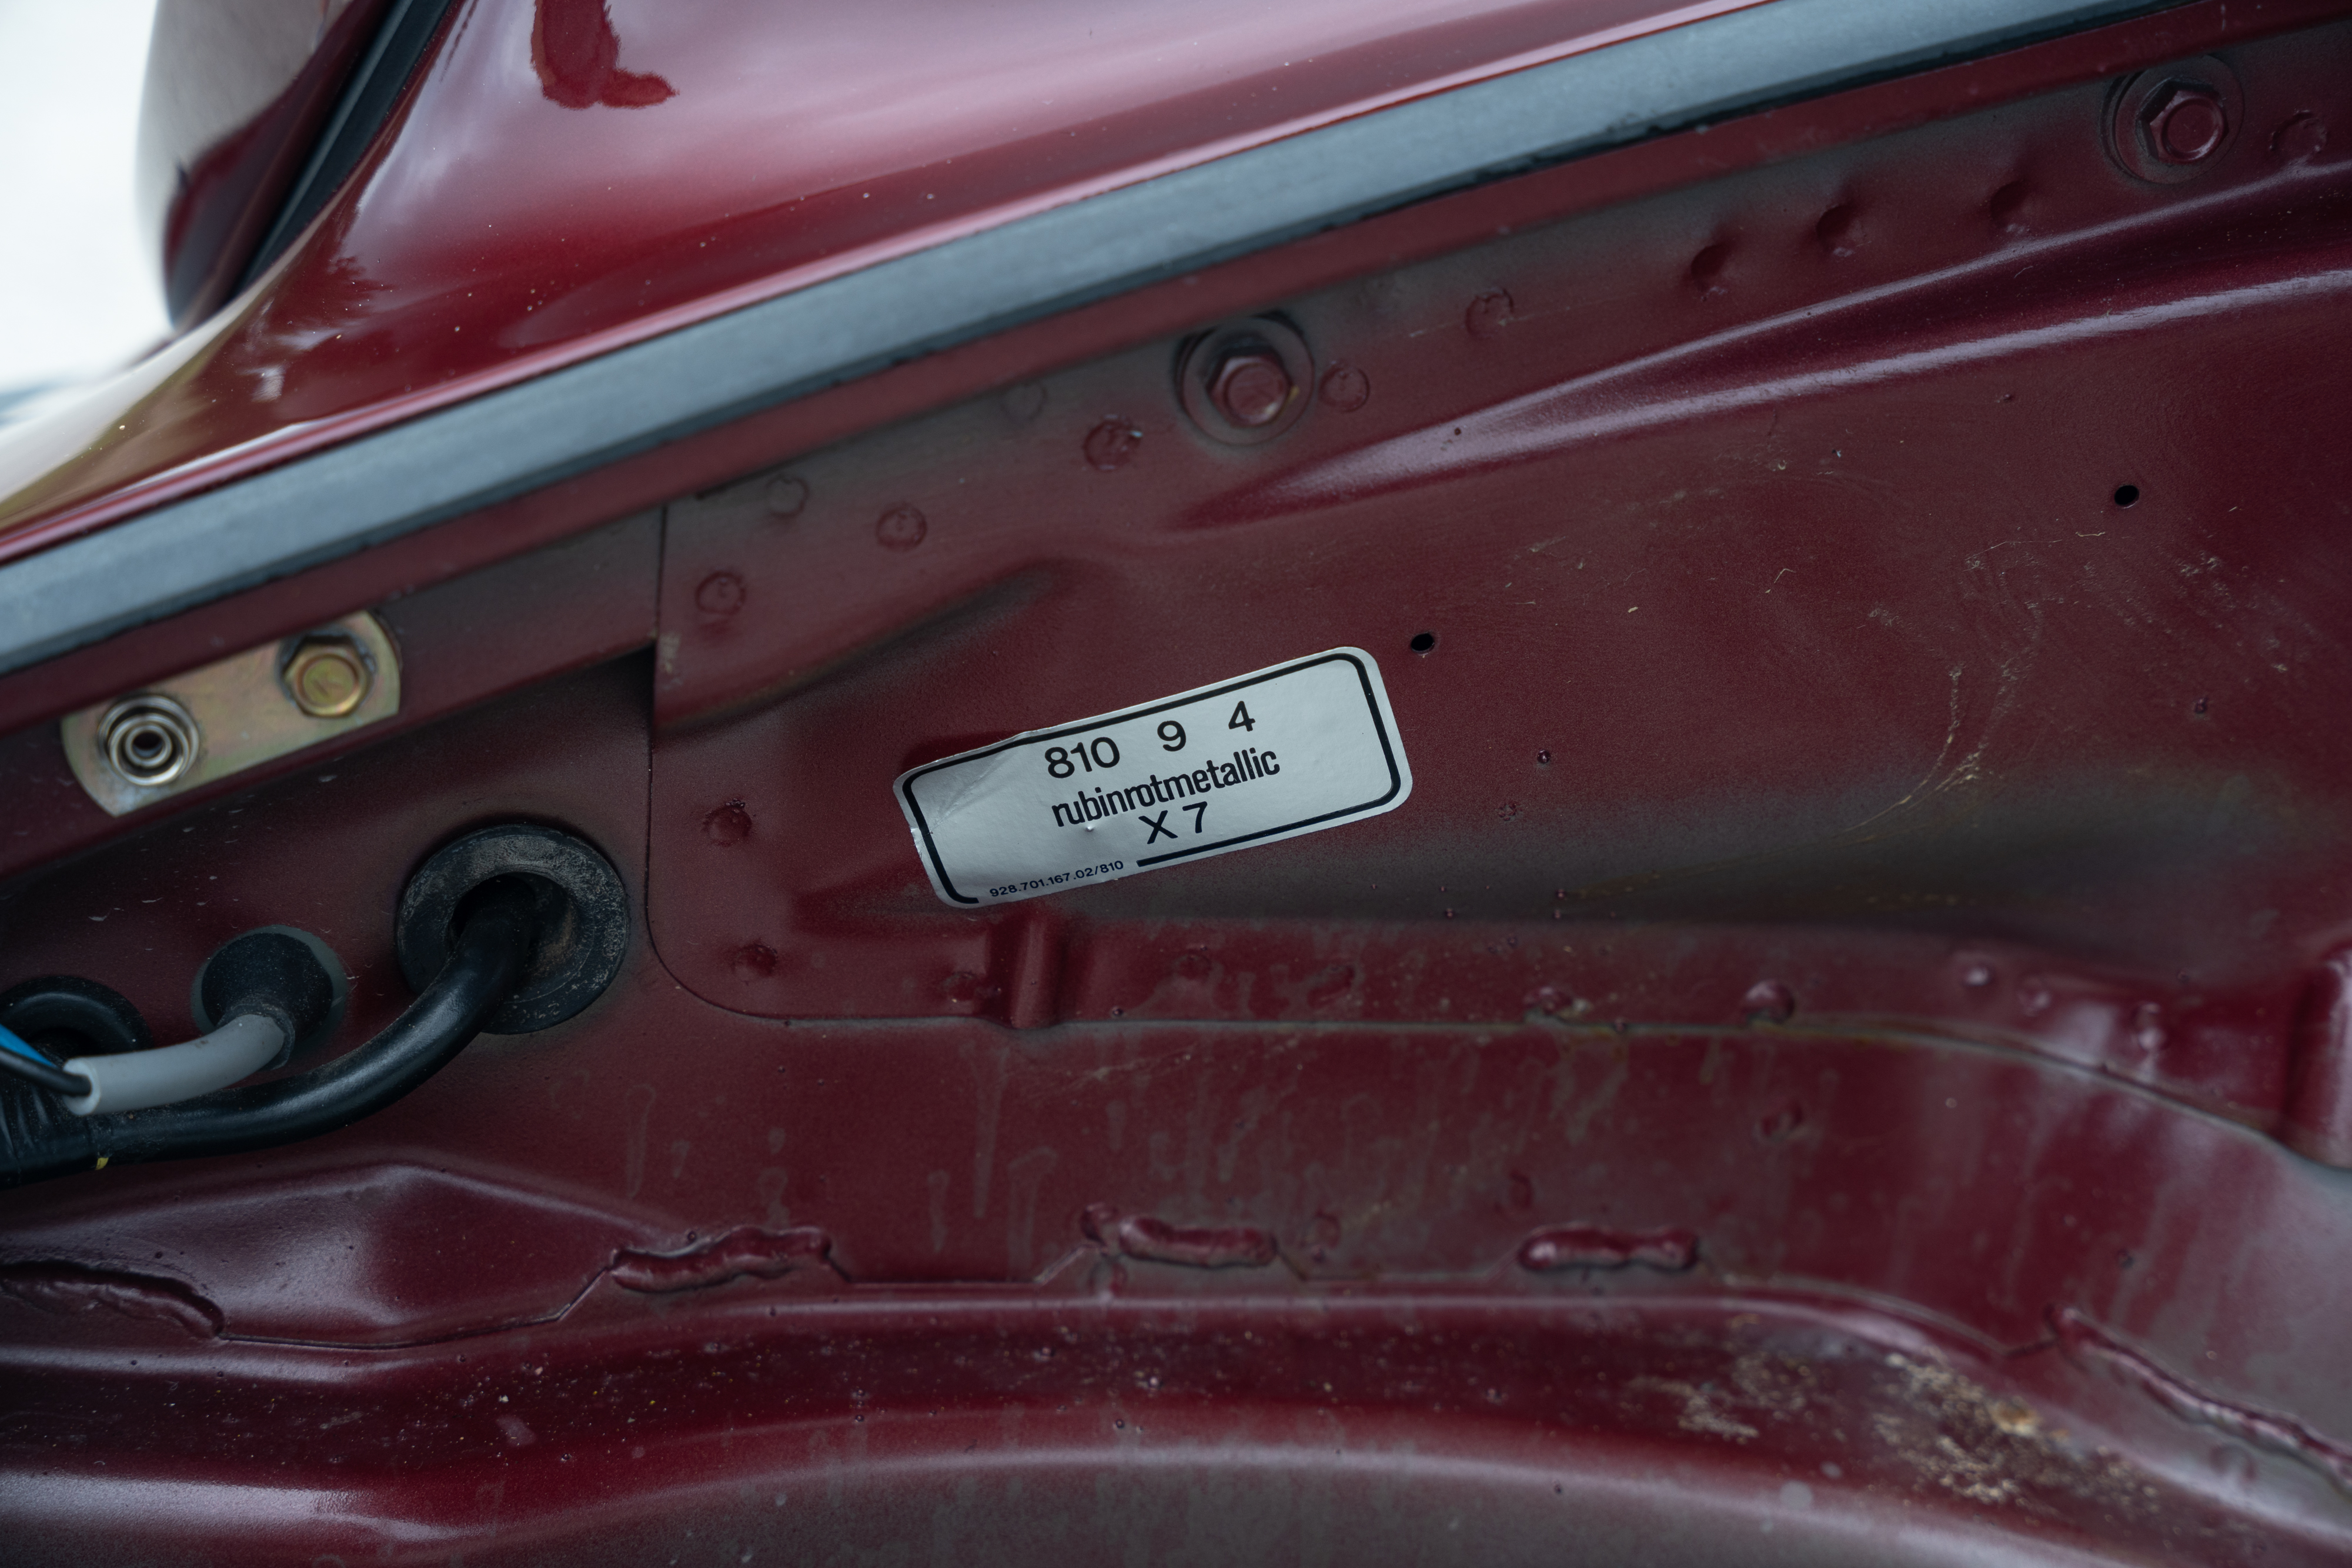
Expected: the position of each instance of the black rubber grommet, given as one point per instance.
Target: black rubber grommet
(273, 972)
(70, 1017)
(581, 913)
(202, 995)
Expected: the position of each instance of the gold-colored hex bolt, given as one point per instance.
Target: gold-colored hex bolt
(327, 675)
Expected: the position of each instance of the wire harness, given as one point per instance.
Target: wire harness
(269, 989)
(42, 1138)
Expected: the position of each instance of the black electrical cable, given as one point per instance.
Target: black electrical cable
(39, 1139)
(44, 1072)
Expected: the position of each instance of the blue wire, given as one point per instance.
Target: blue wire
(18, 1060)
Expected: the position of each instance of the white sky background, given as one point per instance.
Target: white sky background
(80, 295)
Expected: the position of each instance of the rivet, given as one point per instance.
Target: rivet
(902, 527)
(1110, 444)
(1490, 313)
(1025, 402)
(2302, 138)
(1346, 388)
(1768, 1001)
(721, 593)
(786, 495)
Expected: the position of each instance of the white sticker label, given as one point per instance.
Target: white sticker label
(1294, 749)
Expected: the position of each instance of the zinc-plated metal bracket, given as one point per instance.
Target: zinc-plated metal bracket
(233, 713)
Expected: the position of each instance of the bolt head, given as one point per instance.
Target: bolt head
(1245, 382)
(327, 677)
(1251, 388)
(2184, 123)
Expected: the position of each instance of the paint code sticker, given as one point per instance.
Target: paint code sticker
(1294, 749)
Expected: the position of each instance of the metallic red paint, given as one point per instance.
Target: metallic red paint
(1797, 1085)
(235, 100)
(541, 199)
(1815, 679)
(708, 458)
(414, 1317)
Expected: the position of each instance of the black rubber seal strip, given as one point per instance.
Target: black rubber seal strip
(401, 42)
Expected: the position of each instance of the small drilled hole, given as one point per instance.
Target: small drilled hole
(1706, 267)
(2007, 207)
(1424, 642)
(1837, 231)
(2127, 493)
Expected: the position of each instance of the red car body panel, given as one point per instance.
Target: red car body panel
(238, 100)
(525, 210)
(1843, 1057)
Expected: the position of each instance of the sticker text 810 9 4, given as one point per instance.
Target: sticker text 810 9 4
(1296, 749)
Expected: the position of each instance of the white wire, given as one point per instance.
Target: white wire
(139, 1080)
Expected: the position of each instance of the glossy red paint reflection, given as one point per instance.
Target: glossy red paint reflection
(1813, 1077)
(577, 55)
(567, 176)
(234, 99)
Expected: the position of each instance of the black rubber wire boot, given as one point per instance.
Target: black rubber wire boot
(40, 1139)
(66, 1016)
(274, 975)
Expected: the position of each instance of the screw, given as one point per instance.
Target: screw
(1251, 388)
(149, 739)
(328, 676)
(2184, 122)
